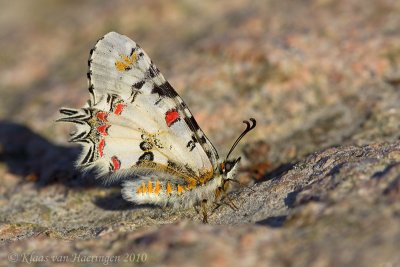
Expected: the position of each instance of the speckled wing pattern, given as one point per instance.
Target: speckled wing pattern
(135, 125)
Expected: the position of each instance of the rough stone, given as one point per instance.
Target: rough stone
(320, 173)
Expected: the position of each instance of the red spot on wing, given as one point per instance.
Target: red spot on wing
(171, 117)
(100, 147)
(102, 115)
(118, 108)
(116, 163)
(103, 129)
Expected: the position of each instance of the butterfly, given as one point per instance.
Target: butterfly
(135, 127)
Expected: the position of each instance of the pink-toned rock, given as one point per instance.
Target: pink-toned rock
(321, 168)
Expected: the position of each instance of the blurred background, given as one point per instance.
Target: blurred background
(315, 74)
(294, 65)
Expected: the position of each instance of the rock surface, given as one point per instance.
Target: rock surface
(322, 168)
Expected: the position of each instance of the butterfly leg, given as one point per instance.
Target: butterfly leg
(217, 205)
(224, 190)
(204, 209)
(221, 191)
(230, 202)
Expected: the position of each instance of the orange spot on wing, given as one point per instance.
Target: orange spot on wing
(169, 188)
(150, 187)
(130, 60)
(180, 189)
(126, 62)
(157, 190)
(121, 66)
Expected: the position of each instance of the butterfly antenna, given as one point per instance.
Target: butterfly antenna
(249, 127)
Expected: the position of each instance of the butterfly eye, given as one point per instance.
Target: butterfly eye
(228, 167)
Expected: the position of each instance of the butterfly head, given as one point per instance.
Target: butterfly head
(229, 168)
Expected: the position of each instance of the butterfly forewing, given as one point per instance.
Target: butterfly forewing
(135, 120)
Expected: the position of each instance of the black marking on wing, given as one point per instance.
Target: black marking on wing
(192, 124)
(79, 137)
(202, 140)
(164, 89)
(152, 71)
(141, 54)
(158, 143)
(89, 157)
(90, 56)
(68, 112)
(91, 88)
(134, 95)
(194, 127)
(90, 154)
(135, 89)
(72, 120)
(133, 51)
(79, 118)
(192, 143)
(138, 85)
(172, 165)
(99, 40)
(91, 51)
(145, 146)
(112, 100)
(146, 156)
